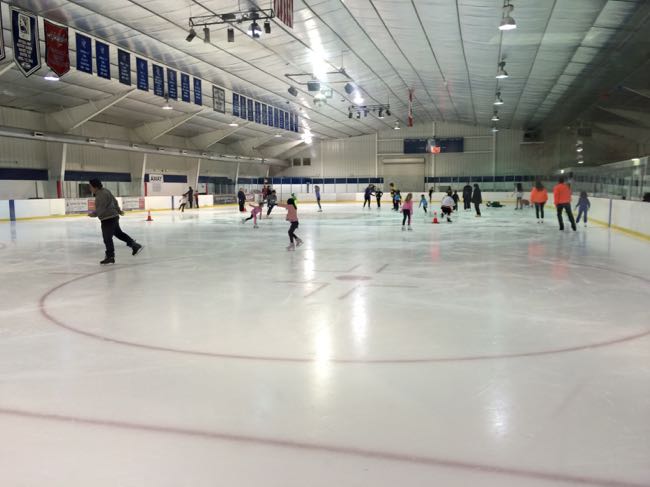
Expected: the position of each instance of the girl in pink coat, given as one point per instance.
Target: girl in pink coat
(257, 209)
(407, 210)
(292, 217)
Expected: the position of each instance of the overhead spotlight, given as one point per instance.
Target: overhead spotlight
(358, 114)
(350, 114)
(349, 88)
(396, 126)
(293, 91)
(206, 34)
(267, 27)
(494, 129)
(579, 147)
(501, 72)
(278, 135)
(167, 106)
(365, 113)
(191, 35)
(380, 114)
(233, 123)
(254, 30)
(507, 22)
(358, 100)
(498, 100)
(231, 34)
(495, 117)
(51, 76)
(313, 85)
(388, 112)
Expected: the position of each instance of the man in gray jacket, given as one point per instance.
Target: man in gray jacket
(108, 211)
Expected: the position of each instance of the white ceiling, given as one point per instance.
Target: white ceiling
(446, 50)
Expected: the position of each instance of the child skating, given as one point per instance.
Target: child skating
(583, 207)
(256, 210)
(424, 204)
(183, 203)
(447, 206)
(272, 201)
(317, 191)
(407, 210)
(292, 217)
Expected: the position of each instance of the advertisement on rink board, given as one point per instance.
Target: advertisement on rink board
(78, 205)
(132, 203)
(224, 199)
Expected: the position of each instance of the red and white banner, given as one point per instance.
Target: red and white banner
(56, 48)
(284, 11)
(410, 107)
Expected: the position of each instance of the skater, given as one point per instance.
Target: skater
(455, 198)
(583, 207)
(430, 193)
(317, 191)
(190, 196)
(257, 210)
(447, 206)
(477, 199)
(183, 203)
(196, 199)
(272, 201)
(366, 195)
(467, 197)
(241, 199)
(539, 197)
(292, 217)
(397, 201)
(424, 204)
(378, 194)
(407, 210)
(562, 200)
(519, 193)
(108, 212)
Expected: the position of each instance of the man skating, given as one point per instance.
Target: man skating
(108, 212)
(562, 200)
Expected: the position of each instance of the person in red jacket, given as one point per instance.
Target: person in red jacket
(539, 197)
(562, 200)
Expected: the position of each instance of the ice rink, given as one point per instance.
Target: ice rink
(488, 352)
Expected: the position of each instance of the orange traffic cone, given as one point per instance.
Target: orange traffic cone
(435, 217)
(149, 219)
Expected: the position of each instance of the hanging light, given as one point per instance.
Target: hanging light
(388, 112)
(498, 100)
(233, 123)
(206, 34)
(231, 34)
(507, 22)
(579, 147)
(278, 135)
(494, 129)
(396, 126)
(380, 114)
(191, 35)
(167, 106)
(254, 30)
(501, 72)
(267, 27)
(51, 76)
(349, 113)
(358, 100)
(495, 117)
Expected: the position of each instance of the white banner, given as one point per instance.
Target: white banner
(76, 205)
(156, 181)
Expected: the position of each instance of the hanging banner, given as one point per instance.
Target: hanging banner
(3, 52)
(156, 182)
(124, 67)
(235, 104)
(250, 110)
(103, 60)
(258, 112)
(276, 118)
(158, 80)
(410, 118)
(297, 123)
(172, 84)
(281, 119)
(185, 87)
(291, 122)
(84, 53)
(218, 99)
(24, 28)
(142, 74)
(242, 107)
(270, 116)
(265, 115)
(56, 48)
(286, 120)
(198, 95)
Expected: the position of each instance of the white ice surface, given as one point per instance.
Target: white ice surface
(486, 352)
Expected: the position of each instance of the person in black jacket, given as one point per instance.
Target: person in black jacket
(108, 212)
(367, 194)
(455, 198)
(190, 197)
(378, 194)
(467, 197)
(477, 199)
(241, 198)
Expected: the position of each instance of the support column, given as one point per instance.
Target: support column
(57, 154)
(193, 174)
(138, 169)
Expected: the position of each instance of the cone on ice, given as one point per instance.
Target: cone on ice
(435, 217)
(149, 219)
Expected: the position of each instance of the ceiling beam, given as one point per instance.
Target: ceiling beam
(639, 91)
(250, 146)
(633, 115)
(632, 133)
(151, 131)
(208, 139)
(6, 67)
(71, 118)
(278, 150)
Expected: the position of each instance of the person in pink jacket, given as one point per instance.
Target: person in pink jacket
(257, 209)
(292, 217)
(407, 210)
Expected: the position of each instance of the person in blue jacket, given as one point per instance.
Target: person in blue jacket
(583, 207)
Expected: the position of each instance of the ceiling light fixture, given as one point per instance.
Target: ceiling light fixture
(206, 34)
(254, 30)
(380, 114)
(495, 117)
(498, 100)
(191, 35)
(231, 34)
(349, 88)
(350, 114)
(494, 129)
(507, 22)
(267, 27)
(277, 135)
(167, 106)
(396, 126)
(51, 76)
(357, 98)
(388, 112)
(293, 91)
(501, 72)
(233, 124)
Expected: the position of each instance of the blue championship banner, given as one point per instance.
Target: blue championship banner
(250, 110)
(24, 27)
(265, 115)
(84, 53)
(185, 87)
(142, 74)
(158, 80)
(235, 104)
(242, 107)
(172, 84)
(103, 60)
(258, 112)
(198, 94)
(124, 67)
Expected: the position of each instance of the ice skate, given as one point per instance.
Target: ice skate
(403, 228)
(410, 229)
(298, 242)
(255, 226)
(136, 248)
(291, 247)
(107, 260)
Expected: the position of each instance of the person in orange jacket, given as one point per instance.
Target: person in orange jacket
(562, 200)
(539, 197)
